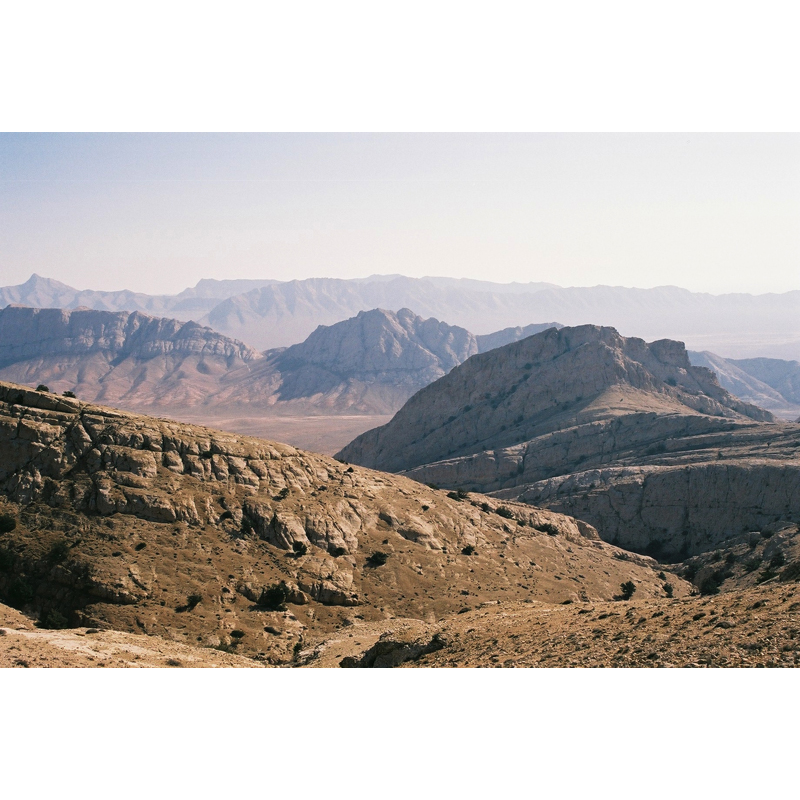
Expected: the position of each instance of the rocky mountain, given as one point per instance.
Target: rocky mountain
(771, 383)
(111, 520)
(116, 357)
(190, 304)
(371, 363)
(490, 341)
(627, 435)
(741, 325)
(268, 314)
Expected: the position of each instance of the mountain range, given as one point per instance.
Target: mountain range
(268, 314)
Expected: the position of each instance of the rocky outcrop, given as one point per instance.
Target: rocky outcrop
(582, 379)
(147, 524)
(759, 381)
(627, 436)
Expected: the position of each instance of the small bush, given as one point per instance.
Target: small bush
(69, 394)
(247, 526)
(193, 600)
(274, 597)
(778, 560)
(42, 388)
(548, 528)
(237, 634)
(433, 486)
(282, 494)
(19, 593)
(792, 572)
(504, 512)
(377, 559)
(627, 590)
(299, 548)
(54, 620)
(453, 496)
(668, 589)
(7, 523)
(752, 564)
(730, 558)
(58, 552)
(336, 552)
(469, 550)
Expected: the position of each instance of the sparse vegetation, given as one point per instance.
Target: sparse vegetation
(469, 550)
(58, 552)
(548, 528)
(7, 523)
(274, 597)
(282, 494)
(377, 559)
(627, 590)
(299, 548)
(69, 394)
(668, 589)
(506, 513)
(42, 388)
(752, 564)
(53, 620)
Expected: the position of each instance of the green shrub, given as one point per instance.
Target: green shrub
(469, 550)
(69, 394)
(7, 523)
(792, 572)
(548, 528)
(377, 559)
(627, 590)
(299, 548)
(53, 620)
(282, 494)
(42, 388)
(668, 589)
(274, 597)
(778, 560)
(504, 512)
(752, 564)
(20, 593)
(58, 552)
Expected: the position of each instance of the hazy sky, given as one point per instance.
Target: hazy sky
(155, 213)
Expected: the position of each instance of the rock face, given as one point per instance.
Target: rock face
(613, 430)
(572, 378)
(770, 383)
(116, 357)
(135, 522)
(491, 341)
(369, 364)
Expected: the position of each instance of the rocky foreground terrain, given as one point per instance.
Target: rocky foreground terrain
(626, 435)
(123, 522)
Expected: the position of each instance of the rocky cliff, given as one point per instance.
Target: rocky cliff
(565, 418)
(147, 525)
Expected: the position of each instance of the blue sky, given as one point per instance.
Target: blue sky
(157, 212)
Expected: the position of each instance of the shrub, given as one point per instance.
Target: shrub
(469, 550)
(54, 620)
(668, 589)
(627, 589)
(58, 552)
(193, 600)
(752, 564)
(274, 597)
(282, 494)
(671, 381)
(19, 593)
(377, 559)
(338, 551)
(548, 528)
(69, 394)
(42, 388)
(792, 572)
(778, 560)
(7, 523)
(453, 496)
(486, 508)
(237, 634)
(247, 526)
(730, 558)
(299, 548)
(504, 512)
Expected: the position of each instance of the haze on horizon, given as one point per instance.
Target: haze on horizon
(157, 212)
